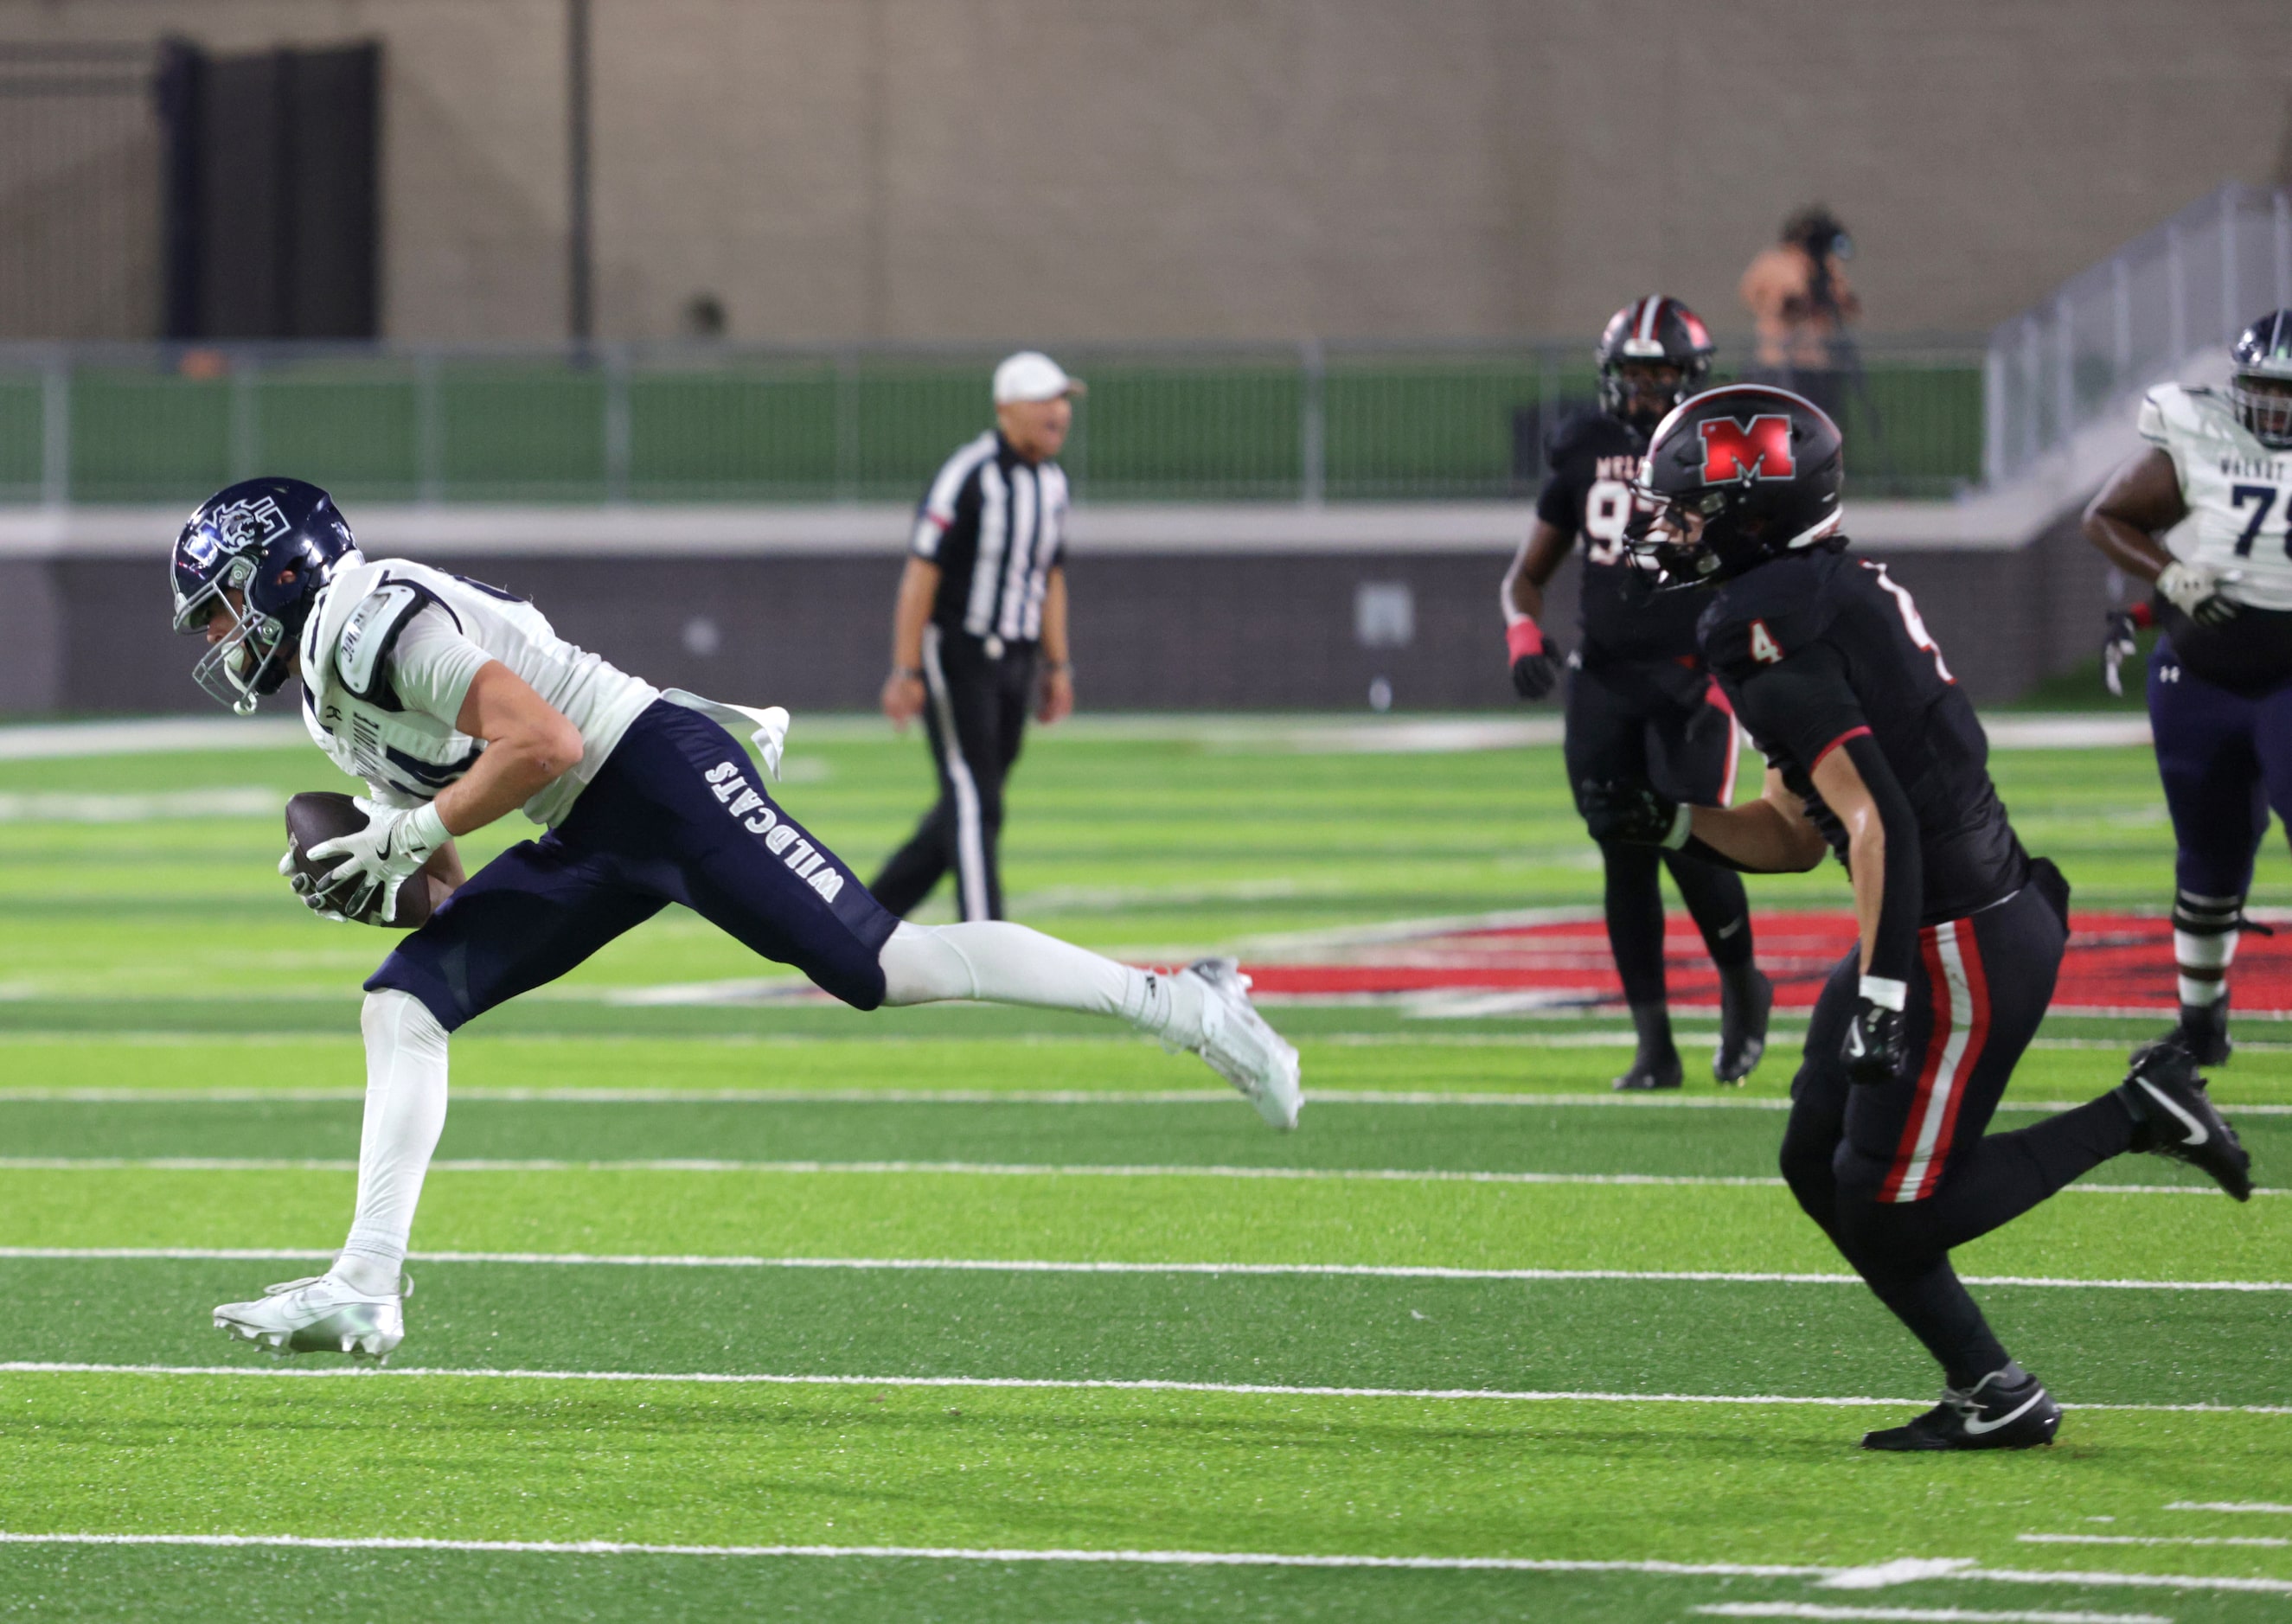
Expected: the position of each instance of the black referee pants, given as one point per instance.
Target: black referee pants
(975, 715)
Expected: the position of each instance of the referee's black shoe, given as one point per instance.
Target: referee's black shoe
(2175, 1117)
(2007, 1409)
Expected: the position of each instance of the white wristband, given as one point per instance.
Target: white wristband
(1886, 991)
(425, 830)
(1682, 824)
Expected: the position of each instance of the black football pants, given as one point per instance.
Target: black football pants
(975, 715)
(1659, 722)
(1899, 1173)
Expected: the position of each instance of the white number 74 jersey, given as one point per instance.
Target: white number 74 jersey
(2238, 491)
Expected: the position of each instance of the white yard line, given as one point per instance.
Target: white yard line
(984, 1169)
(2267, 1507)
(996, 1096)
(279, 1370)
(2265, 1541)
(993, 1265)
(1909, 1572)
(1919, 1615)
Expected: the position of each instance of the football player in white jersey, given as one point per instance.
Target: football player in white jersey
(2205, 511)
(458, 704)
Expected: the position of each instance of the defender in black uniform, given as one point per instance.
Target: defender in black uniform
(1875, 754)
(1641, 704)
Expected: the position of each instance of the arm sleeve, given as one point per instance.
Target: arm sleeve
(1557, 504)
(433, 666)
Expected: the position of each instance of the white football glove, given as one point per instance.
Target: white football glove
(2195, 590)
(380, 857)
(314, 895)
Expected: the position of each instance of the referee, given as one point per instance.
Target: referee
(981, 614)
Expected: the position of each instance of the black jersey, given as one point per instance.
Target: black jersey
(1593, 458)
(1821, 647)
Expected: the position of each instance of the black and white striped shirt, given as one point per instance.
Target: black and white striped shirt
(996, 525)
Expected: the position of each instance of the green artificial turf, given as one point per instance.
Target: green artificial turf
(161, 997)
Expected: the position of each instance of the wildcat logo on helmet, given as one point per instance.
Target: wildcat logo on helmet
(250, 523)
(1759, 449)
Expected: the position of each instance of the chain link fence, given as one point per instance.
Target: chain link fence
(1311, 423)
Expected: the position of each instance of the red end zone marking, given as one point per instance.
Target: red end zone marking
(2115, 962)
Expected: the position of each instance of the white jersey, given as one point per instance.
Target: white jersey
(2239, 494)
(387, 659)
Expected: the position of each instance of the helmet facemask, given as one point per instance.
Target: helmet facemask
(1638, 391)
(2263, 403)
(246, 663)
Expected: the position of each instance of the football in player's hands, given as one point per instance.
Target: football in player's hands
(317, 817)
(1631, 814)
(1873, 1046)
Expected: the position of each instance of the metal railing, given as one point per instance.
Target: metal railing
(2134, 320)
(1311, 423)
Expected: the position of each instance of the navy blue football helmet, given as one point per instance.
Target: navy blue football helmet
(275, 542)
(2260, 386)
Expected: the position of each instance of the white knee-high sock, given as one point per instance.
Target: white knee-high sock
(994, 961)
(405, 1109)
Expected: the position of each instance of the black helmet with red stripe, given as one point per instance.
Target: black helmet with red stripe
(1653, 354)
(1732, 477)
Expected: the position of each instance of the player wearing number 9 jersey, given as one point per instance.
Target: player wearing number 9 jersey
(1876, 755)
(1640, 703)
(2217, 474)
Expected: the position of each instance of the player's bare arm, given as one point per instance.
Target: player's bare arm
(1840, 784)
(1056, 701)
(2141, 502)
(903, 689)
(1535, 664)
(1772, 835)
(528, 746)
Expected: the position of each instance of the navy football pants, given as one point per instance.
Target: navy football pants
(2225, 760)
(677, 813)
(1899, 1173)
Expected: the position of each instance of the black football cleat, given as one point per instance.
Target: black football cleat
(2007, 1409)
(1649, 1070)
(1742, 1027)
(2176, 1118)
(2203, 1032)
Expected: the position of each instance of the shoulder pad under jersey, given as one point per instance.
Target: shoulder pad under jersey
(1764, 616)
(2172, 415)
(369, 634)
(1588, 434)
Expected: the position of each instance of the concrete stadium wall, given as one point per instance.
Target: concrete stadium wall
(1130, 169)
(1252, 625)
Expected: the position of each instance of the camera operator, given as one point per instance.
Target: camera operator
(1798, 293)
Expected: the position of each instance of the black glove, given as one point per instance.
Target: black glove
(1630, 813)
(2120, 640)
(1535, 661)
(1533, 675)
(1873, 1049)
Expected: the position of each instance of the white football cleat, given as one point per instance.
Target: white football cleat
(320, 1314)
(1241, 1048)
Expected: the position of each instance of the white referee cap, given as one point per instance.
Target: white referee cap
(1032, 375)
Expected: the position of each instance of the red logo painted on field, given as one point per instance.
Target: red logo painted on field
(2116, 962)
(1759, 449)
